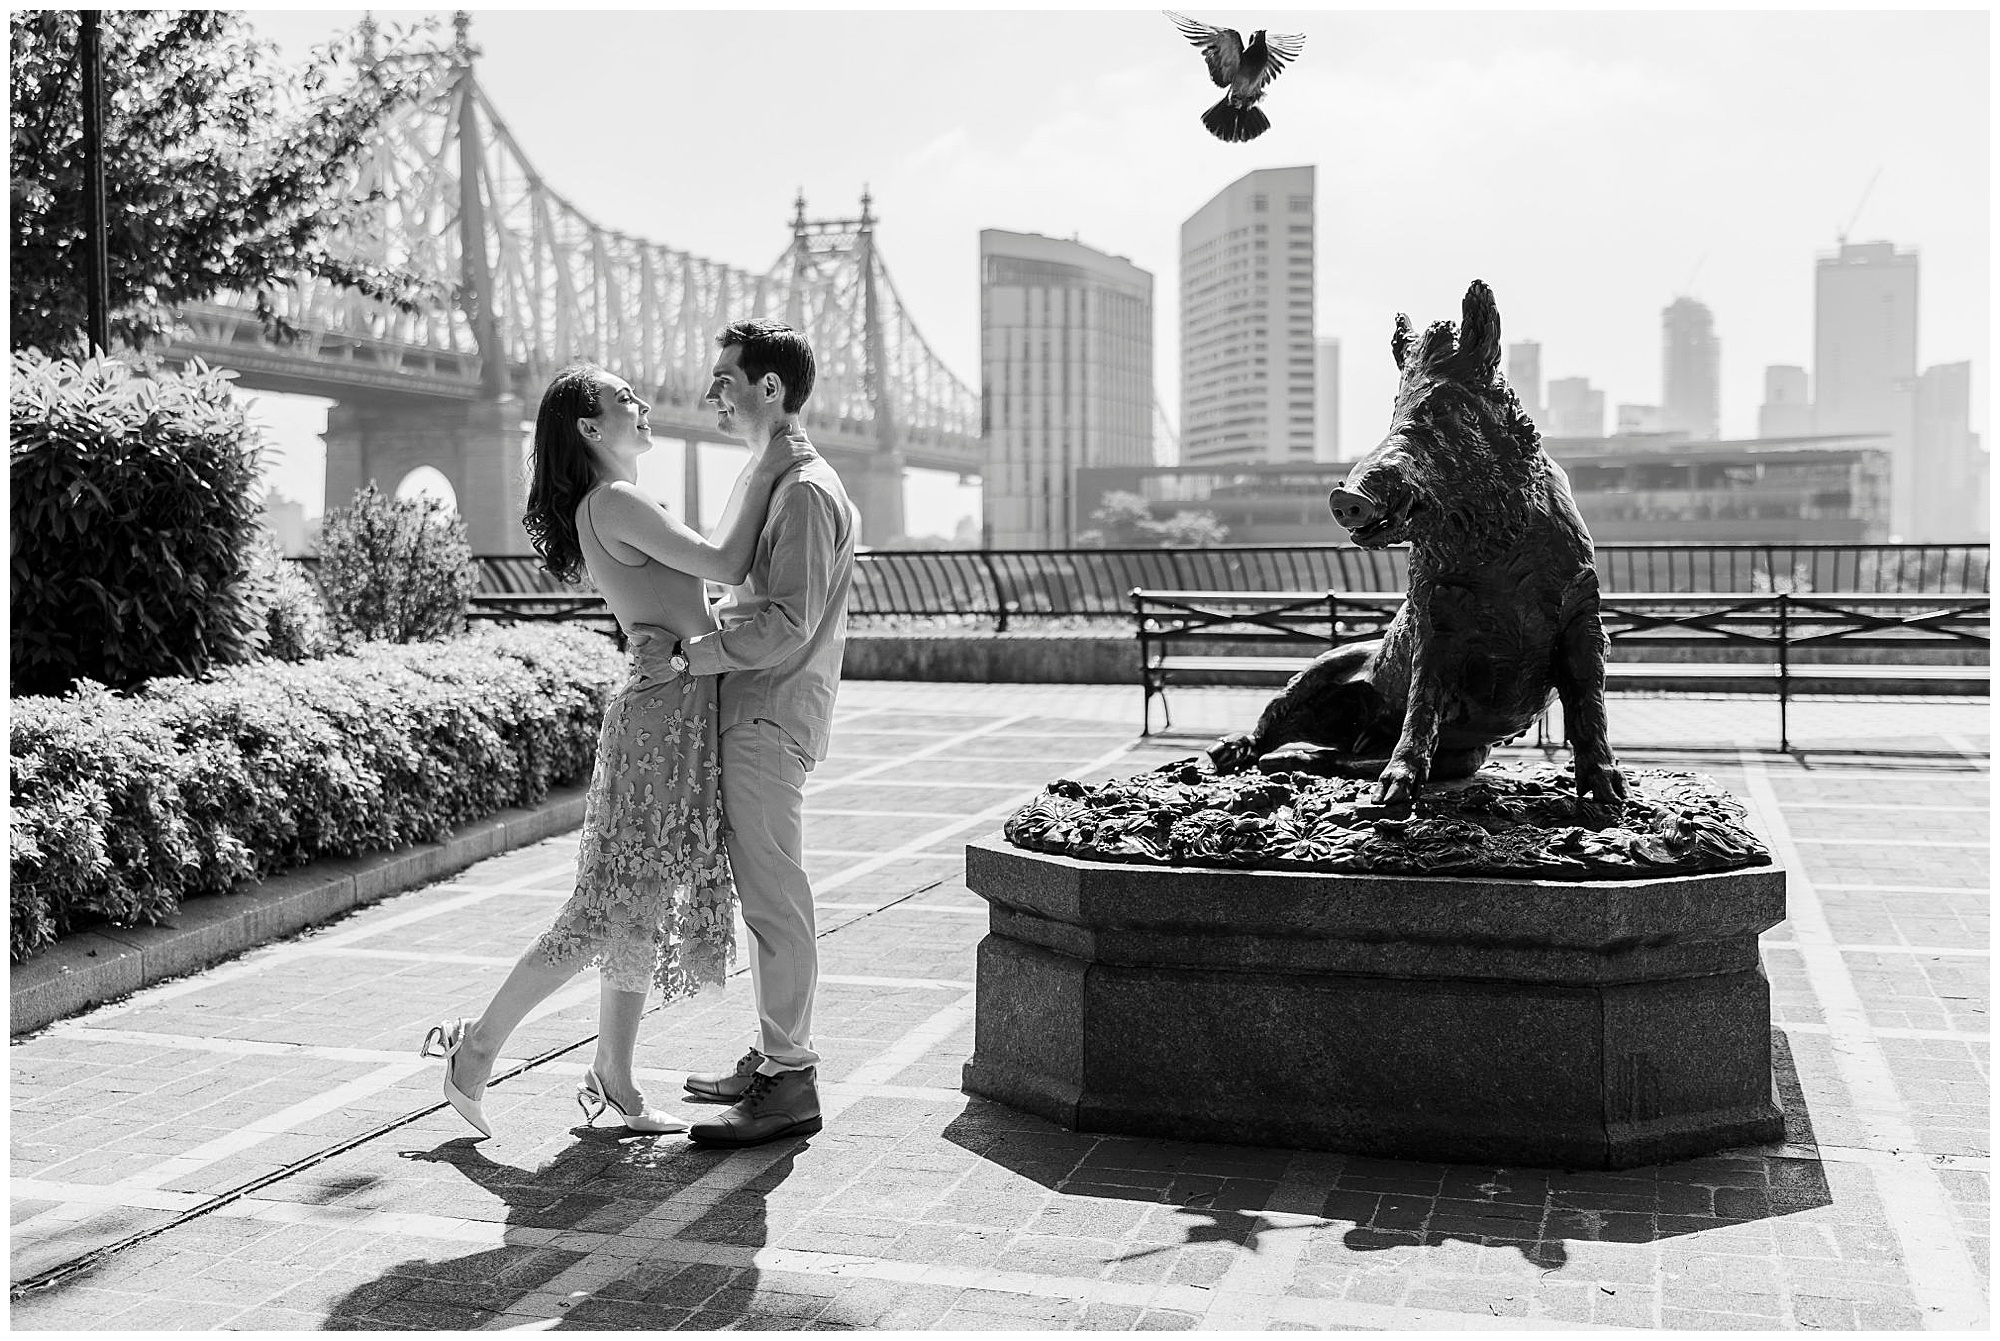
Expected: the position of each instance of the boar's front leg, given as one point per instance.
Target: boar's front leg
(1409, 764)
(1579, 678)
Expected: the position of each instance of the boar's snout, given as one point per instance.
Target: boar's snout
(1353, 510)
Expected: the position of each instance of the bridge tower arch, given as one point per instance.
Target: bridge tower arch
(478, 447)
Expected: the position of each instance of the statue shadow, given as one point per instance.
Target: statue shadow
(1221, 1190)
(607, 1182)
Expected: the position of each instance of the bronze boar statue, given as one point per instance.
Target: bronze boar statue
(1502, 606)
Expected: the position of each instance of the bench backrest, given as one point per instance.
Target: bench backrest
(1318, 620)
(1768, 621)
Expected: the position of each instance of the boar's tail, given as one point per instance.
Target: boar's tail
(1227, 121)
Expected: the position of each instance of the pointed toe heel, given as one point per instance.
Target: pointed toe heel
(592, 1099)
(448, 1038)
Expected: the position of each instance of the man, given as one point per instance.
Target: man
(779, 651)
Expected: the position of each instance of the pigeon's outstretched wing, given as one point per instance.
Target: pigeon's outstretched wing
(1222, 48)
(1280, 50)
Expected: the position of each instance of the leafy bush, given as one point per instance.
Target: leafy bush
(295, 626)
(133, 520)
(123, 805)
(1126, 519)
(398, 571)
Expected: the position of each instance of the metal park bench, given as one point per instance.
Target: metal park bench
(1698, 641)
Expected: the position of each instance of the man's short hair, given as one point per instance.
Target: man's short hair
(773, 347)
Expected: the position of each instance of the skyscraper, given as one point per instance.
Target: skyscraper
(1247, 322)
(1950, 469)
(1326, 400)
(1690, 374)
(1787, 408)
(1066, 378)
(1865, 357)
(1524, 374)
(1575, 410)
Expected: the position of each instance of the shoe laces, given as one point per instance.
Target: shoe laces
(760, 1089)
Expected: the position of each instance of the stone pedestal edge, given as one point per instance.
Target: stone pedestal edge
(93, 967)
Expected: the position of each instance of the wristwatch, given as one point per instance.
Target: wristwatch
(679, 659)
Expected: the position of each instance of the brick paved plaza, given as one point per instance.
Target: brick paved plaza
(266, 1134)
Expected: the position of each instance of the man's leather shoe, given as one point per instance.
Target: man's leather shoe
(786, 1104)
(725, 1084)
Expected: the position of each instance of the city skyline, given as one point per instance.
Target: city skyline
(1649, 154)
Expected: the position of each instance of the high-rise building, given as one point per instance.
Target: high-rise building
(1066, 369)
(1524, 374)
(1247, 322)
(1787, 408)
(1690, 371)
(1950, 468)
(1865, 358)
(1575, 410)
(285, 519)
(1326, 400)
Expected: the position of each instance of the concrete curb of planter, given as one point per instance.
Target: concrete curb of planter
(93, 967)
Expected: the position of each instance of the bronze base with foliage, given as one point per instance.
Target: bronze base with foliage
(1516, 820)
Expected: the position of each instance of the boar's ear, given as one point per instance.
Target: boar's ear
(1399, 343)
(1479, 336)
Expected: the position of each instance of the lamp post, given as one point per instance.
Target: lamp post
(96, 266)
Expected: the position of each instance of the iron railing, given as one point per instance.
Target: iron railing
(1096, 584)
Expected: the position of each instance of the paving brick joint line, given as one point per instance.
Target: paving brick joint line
(922, 1209)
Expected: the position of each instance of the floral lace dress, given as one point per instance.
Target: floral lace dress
(654, 902)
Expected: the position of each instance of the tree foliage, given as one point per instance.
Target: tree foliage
(224, 171)
(1125, 520)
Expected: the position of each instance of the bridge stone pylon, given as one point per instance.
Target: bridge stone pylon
(527, 283)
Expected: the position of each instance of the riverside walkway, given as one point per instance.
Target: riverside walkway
(260, 1148)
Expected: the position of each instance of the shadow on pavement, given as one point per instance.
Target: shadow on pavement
(1221, 1189)
(610, 1182)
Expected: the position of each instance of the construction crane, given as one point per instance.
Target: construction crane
(1687, 288)
(1866, 191)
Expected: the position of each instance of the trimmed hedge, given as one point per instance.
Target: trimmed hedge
(133, 522)
(125, 805)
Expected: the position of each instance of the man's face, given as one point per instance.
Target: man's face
(737, 402)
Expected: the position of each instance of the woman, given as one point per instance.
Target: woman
(653, 901)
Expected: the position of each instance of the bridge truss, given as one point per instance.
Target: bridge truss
(534, 282)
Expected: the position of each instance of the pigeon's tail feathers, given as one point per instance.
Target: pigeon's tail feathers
(1226, 121)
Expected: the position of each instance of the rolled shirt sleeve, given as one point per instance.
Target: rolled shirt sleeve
(802, 535)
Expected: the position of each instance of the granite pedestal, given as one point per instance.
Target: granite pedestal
(1574, 1024)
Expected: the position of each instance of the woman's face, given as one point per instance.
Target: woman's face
(620, 431)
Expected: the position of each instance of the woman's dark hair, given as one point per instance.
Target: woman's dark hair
(773, 347)
(559, 472)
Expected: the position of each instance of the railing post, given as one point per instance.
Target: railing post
(999, 596)
(1784, 674)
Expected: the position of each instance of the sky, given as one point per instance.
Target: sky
(1590, 164)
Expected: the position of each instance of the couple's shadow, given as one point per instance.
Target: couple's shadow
(610, 1182)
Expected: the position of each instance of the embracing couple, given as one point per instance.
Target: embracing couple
(686, 768)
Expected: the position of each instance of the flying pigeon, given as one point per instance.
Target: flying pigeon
(1244, 70)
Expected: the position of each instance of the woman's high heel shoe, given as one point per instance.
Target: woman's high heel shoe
(591, 1092)
(449, 1038)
